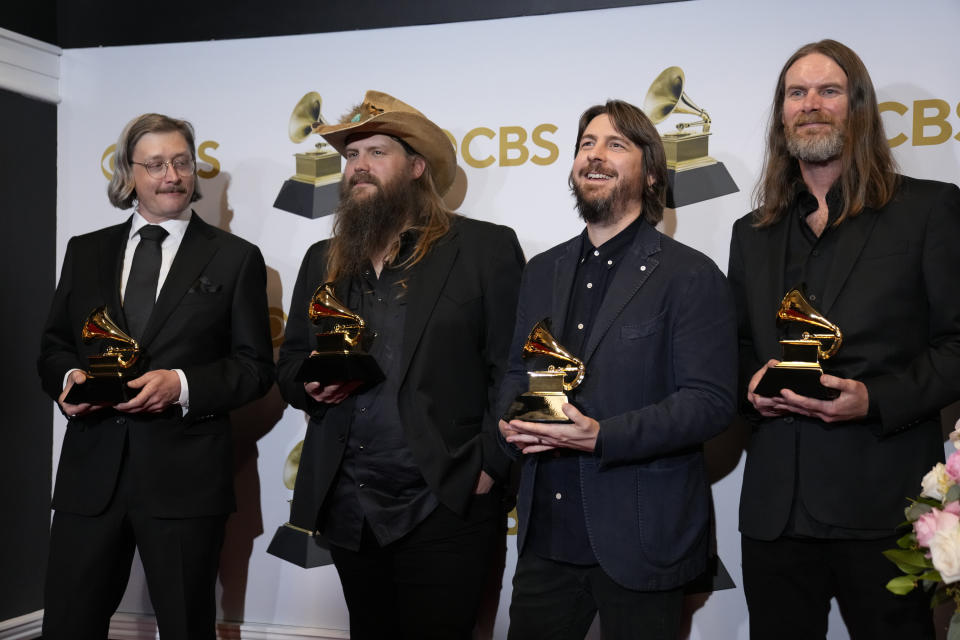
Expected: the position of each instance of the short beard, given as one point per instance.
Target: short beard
(366, 226)
(819, 148)
(604, 211)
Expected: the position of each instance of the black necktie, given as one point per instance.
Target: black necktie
(141, 290)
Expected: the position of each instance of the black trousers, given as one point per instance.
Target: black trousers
(89, 566)
(789, 582)
(428, 584)
(558, 601)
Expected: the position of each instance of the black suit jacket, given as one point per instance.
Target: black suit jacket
(461, 302)
(210, 320)
(894, 291)
(661, 380)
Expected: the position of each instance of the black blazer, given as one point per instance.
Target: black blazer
(661, 380)
(894, 291)
(211, 321)
(461, 302)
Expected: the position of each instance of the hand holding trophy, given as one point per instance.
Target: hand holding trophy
(341, 351)
(545, 396)
(110, 371)
(800, 368)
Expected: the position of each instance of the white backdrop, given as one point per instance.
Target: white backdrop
(522, 72)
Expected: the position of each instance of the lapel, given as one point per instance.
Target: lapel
(769, 274)
(639, 263)
(424, 285)
(564, 270)
(853, 236)
(113, 244)
(196, 249)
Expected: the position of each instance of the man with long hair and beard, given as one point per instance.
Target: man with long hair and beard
(614, 506)
(404, 480)
(826, 480)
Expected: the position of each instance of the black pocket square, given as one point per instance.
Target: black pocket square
(203, 285)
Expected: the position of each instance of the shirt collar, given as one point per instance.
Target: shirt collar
(174, 227)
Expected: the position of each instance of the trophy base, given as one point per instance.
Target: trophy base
(698, 184)
(298, 546)
(101, 390)
(538, 407)
(307, 200)
(803, 380)
(343, 366)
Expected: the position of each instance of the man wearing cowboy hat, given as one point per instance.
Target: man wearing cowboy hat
(404, 479)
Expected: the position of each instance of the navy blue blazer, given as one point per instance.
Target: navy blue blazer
(661, 380)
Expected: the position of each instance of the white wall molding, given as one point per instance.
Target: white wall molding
(25, 627)
(130, 626)
(29, 66)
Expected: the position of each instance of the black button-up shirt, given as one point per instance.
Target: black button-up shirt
(809, 265)
(558, 529)
(379, 481)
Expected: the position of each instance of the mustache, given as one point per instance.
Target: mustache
(364, 178)
(597, 166)
(816, 117)
(173, 189)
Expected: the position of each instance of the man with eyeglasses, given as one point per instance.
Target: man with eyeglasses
(153, 473)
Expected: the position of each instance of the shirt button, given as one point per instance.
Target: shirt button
(813, 297)
(788, 419)
(609, 261)
(557, 495)
(361, 447)
(643, 267)
(596, 252)
(362, 485)
(580, 326)
(363, 409)
(816, 252)
(589, 285)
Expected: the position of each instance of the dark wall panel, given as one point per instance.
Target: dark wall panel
(28, 193)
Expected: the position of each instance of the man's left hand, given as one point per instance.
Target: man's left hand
(534, 437)
(852, 403)
(159, 389)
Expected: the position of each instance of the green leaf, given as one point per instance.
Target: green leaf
(908, 541)
(953, 494)
(932, 576)
(908, 560)
(917, 509)
(901, 585)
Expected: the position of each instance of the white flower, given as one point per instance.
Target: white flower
(936, 483)
(945, 553)
(955, 436)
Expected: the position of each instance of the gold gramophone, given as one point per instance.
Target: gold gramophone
(341, 351)
(545, 396)
(109, 371)
(694, 176)
(313, 191)
(800, 369)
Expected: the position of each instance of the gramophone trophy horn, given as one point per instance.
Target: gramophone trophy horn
(306, 117)
(666, 96)
(545, 396)
(692, 174)
(800, 368)
(340, 356)
(313, 191)
(108, 372)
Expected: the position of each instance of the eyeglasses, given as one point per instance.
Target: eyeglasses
(158, 169)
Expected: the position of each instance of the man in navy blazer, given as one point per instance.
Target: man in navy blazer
(153, 473)
(614, 507)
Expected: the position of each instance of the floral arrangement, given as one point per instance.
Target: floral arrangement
(930, 553)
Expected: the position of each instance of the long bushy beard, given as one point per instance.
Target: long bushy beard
(818, 148)
(367, 225)
(604, 211)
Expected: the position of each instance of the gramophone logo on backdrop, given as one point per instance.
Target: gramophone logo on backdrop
(693, 175)
(313, 191)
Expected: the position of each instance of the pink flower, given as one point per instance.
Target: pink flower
(953, 466)
(928, 524)
(953, 507)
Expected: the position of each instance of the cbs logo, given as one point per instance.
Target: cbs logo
(929, 122)
(509, 146)
(108, 165)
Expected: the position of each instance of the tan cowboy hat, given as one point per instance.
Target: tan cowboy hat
(384, 114)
